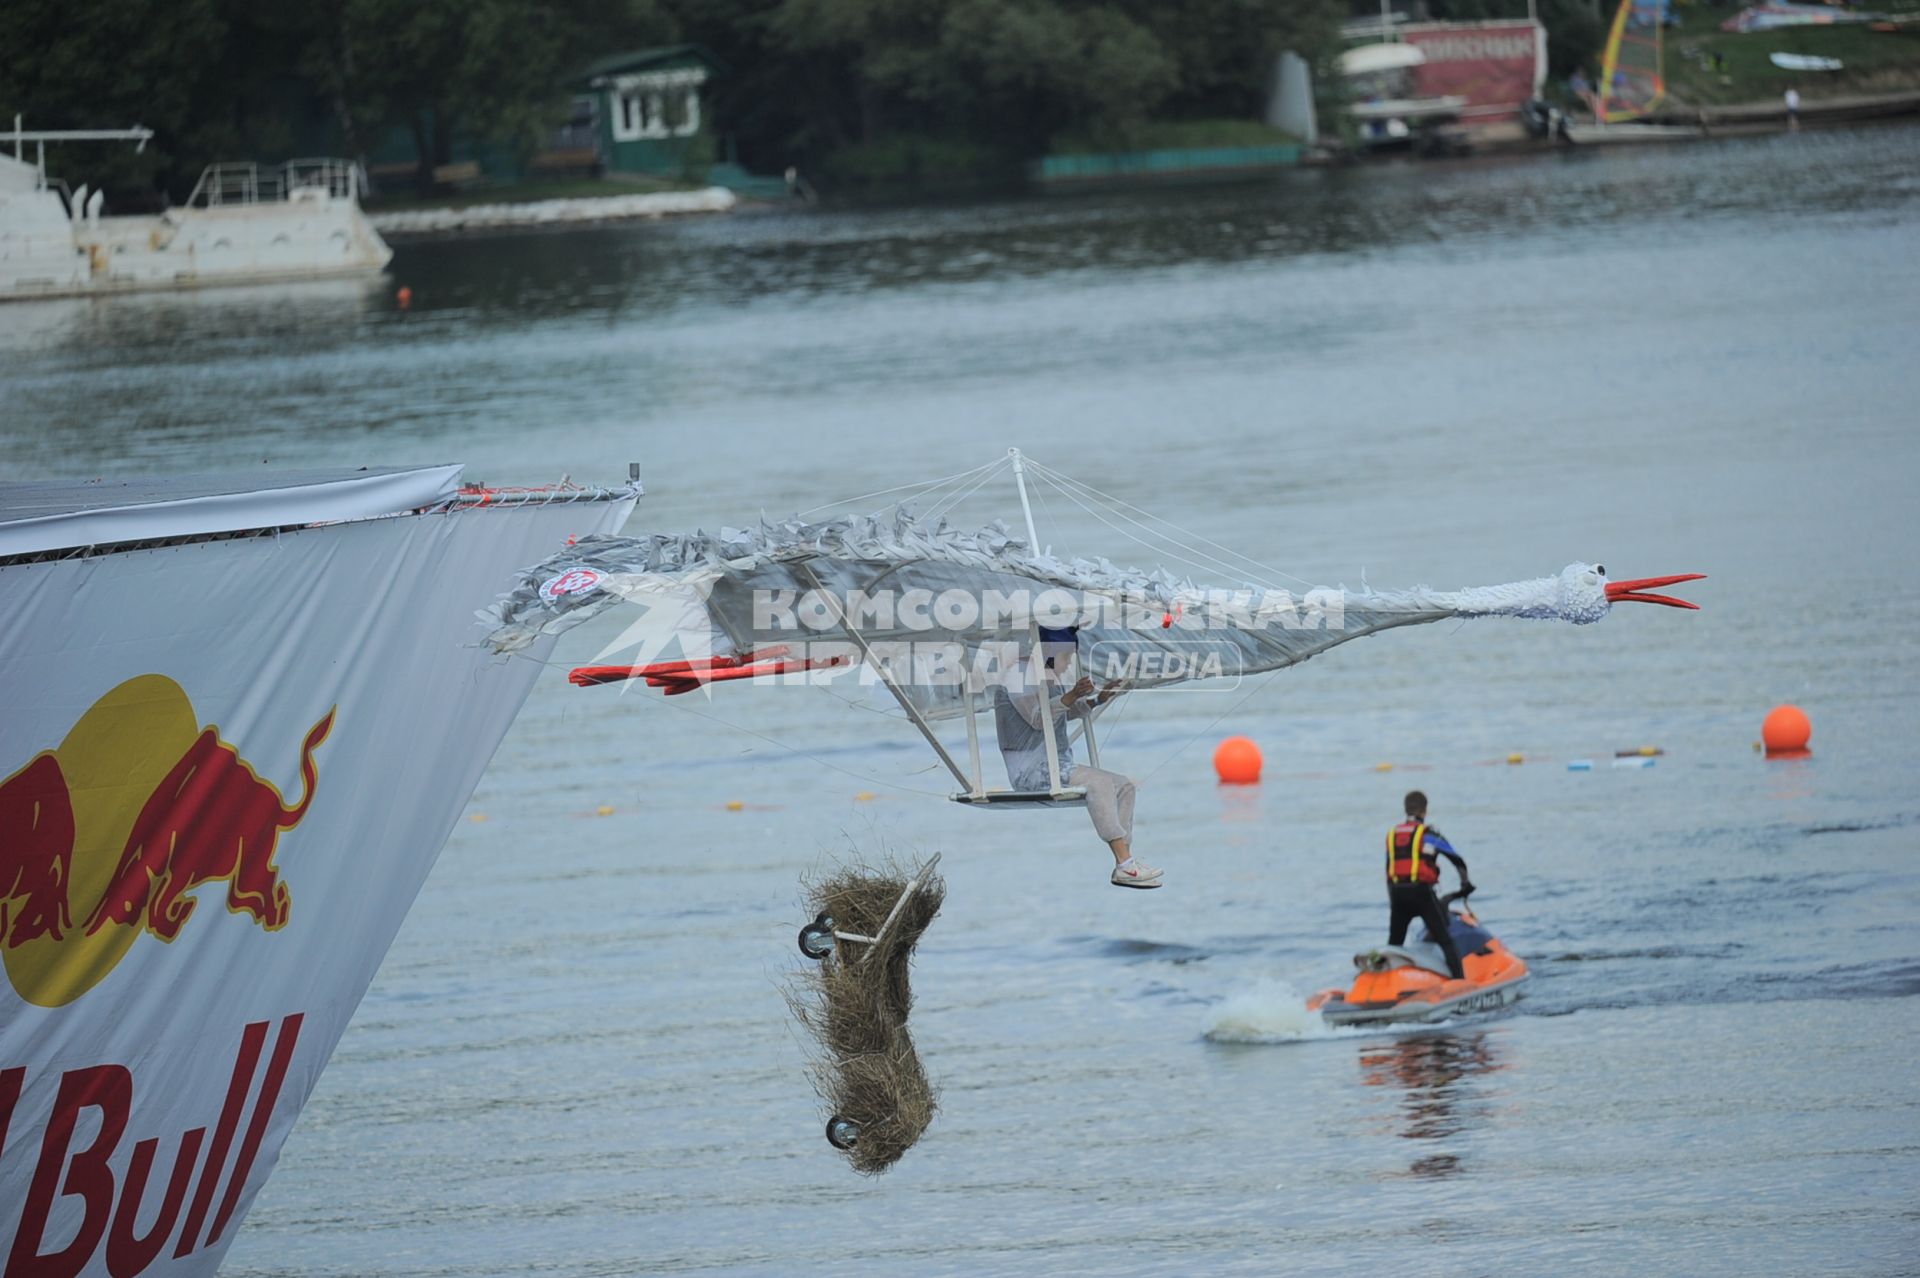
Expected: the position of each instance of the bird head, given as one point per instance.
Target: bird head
(1585, 594)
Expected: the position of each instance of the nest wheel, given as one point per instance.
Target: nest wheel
(842, 1133)
(816, 938)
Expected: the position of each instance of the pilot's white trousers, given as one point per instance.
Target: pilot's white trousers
(1109, 801)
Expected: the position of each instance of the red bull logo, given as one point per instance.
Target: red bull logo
(137, 1214)
(109, 834)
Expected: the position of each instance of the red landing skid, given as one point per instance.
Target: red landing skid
(676, 677)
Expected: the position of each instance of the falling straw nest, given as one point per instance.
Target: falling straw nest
(855, 1005)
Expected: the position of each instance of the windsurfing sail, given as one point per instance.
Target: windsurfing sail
(943, 616)
(1632, 82)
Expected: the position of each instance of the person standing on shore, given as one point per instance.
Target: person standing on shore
(1793, 109)
(1582, 91)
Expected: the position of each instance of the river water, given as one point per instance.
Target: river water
(576, 1059)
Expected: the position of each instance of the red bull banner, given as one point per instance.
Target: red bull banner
(226, 768)
(1495, 66)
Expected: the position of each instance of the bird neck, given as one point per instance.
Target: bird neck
(1535, 597)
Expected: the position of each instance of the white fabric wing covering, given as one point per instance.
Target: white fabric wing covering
(903, 582)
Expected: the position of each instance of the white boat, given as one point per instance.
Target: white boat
(1804, 62)
(1379, 81)
(243, 224)
(1374, 59)
(1413, 111)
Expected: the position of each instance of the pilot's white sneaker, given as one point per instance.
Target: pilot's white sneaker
(1135, 873)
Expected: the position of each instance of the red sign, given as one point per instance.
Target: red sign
(1495, 66)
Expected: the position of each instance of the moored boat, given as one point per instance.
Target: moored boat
(243, 224)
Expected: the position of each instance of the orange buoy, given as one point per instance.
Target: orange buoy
(1237, 760)
(1786, 730)
(404, 297)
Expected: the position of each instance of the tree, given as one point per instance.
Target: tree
(235, 79)
(490, 69)
(1010, 74)
(98, 64)
(1039, 69)
(1575, 33)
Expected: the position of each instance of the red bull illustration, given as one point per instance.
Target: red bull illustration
(36, 854)
(136, 808)
(211, 820)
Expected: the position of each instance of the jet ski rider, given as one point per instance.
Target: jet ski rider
(1412, 872)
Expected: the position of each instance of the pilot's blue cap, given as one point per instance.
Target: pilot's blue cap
(1050, 634)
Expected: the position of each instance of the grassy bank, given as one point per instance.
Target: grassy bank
(1174, 135)
(1873, 62)
(904, 164)
(913, 165)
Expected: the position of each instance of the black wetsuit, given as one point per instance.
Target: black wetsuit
(1412, 901)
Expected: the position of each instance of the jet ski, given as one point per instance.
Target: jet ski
(1409, 984)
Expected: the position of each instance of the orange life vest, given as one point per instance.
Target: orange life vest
(1407, 859)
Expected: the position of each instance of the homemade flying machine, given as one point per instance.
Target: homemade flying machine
(944, 617)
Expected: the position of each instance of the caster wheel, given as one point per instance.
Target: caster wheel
(842, 1133)
(816, 938)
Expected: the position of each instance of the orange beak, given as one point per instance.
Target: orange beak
(1630, 591)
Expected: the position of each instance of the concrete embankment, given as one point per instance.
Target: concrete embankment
(1825, 110)
(1745, 119)
(610, 208)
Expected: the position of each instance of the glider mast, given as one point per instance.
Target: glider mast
(1020, 478)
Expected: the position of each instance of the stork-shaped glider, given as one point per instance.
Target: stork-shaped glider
(942, 615)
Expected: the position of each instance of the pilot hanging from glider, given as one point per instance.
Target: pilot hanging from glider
(1023, 744)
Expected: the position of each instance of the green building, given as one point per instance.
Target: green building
(642, 110)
